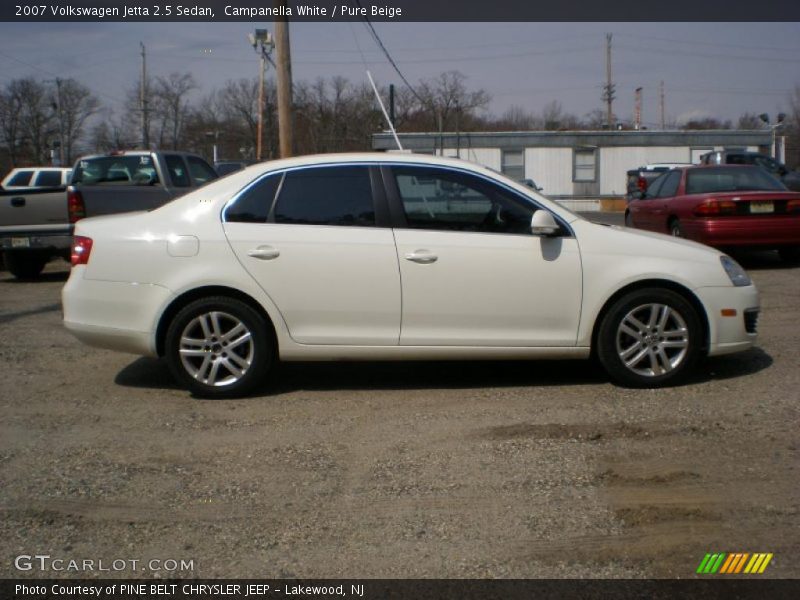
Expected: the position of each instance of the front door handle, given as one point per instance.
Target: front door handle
(423, 257)
(18, 202)
(264, 252)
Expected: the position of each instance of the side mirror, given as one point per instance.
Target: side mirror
(543, 223)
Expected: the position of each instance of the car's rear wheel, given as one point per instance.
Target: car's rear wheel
(649, 338)
(219, 347)
(675, 229)
(25, 265)
(790, 254)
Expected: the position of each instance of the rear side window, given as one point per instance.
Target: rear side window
(22, 178)
(670, 186)
(48, 179)
(326, 196)
(200, 170)
(177, 170)
(254, 204)
(122, 170)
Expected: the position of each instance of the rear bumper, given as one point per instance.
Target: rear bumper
(114, 315)
(768, 231)
(728, 334)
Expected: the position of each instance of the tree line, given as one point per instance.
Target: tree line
(63, 119)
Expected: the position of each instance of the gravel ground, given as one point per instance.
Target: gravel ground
(458, 470)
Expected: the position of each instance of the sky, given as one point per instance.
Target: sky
(709, 69)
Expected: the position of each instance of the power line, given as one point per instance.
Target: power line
(389, 56)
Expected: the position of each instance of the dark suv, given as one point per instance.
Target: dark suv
(791, 179)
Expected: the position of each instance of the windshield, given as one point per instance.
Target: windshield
(130, 170)
(730, 179)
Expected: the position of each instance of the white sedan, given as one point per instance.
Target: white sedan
(393, 257)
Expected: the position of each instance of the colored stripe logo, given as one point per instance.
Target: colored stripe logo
(734, 562)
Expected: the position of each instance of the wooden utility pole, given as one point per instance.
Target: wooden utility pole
(260, 134)
(637, 114)
(608, 92)
(143, 100)
(661, 98)
(283, 76)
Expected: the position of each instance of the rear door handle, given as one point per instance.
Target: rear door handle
(264, 252)
(423, 257)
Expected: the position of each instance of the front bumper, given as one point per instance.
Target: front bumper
(114, 315)
(728, 334)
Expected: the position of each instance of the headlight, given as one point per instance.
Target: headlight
(736, 273)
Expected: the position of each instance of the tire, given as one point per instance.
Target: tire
(675, 229)
(25, 265)
(628, 220)
(634, 347)
(790, 255)
(221, 361)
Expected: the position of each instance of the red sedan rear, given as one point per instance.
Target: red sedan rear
(724, 207)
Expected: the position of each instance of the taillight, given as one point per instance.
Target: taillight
(75, 205)
(715, 208)
(793, 206)
(81, 248)
(641, 184)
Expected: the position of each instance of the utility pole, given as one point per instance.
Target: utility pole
(663, 114)
(283, 73)
(143, 101)
(260, 134)
(60, 117)
(608, 89)
(391, 103)
(637, 115)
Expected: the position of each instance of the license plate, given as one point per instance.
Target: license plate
(762, 207)
(20, 242)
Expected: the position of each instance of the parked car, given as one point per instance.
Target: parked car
(133, 180)
(380, 256)
(23, 178)
(226, 167)
(639, 179)
(724, 207)
(36, 225)
(791, 179)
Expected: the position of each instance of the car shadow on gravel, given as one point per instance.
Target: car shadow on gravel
(50, 276)
(758, 260)
(330, 376)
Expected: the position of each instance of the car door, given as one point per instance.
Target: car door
(661, 204)
(642, 209)
(313, 240)
(472, 273)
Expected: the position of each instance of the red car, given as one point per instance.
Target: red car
(722, 206)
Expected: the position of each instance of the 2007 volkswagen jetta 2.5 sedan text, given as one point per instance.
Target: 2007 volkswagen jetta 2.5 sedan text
(392, 257)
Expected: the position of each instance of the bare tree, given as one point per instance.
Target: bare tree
(36, 116)
(10, 121)
(749, 121)
(449, 103)
(171, 105)
(74, 104)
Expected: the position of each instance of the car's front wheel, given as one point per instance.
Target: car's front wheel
(219, 347)
(649, 338)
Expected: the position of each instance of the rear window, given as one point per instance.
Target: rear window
(127, 170)
(741, 179)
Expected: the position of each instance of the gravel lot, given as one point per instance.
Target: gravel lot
(397, 470)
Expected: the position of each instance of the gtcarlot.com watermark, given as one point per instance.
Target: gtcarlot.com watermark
(45, 562)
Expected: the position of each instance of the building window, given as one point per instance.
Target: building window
(584, 164)
(513, 164)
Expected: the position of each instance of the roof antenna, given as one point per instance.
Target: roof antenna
(385, 114)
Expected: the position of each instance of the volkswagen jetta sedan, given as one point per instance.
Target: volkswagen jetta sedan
(393, 257)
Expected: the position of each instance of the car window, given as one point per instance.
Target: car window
(48, 179)
(21, 178)
(129, 170)
(326, 196)
(253, 205)
(731, 179)
(177, 170)
(442, 199)
(767, 163)
(655, 187)
(669, 187)
(200, 170)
